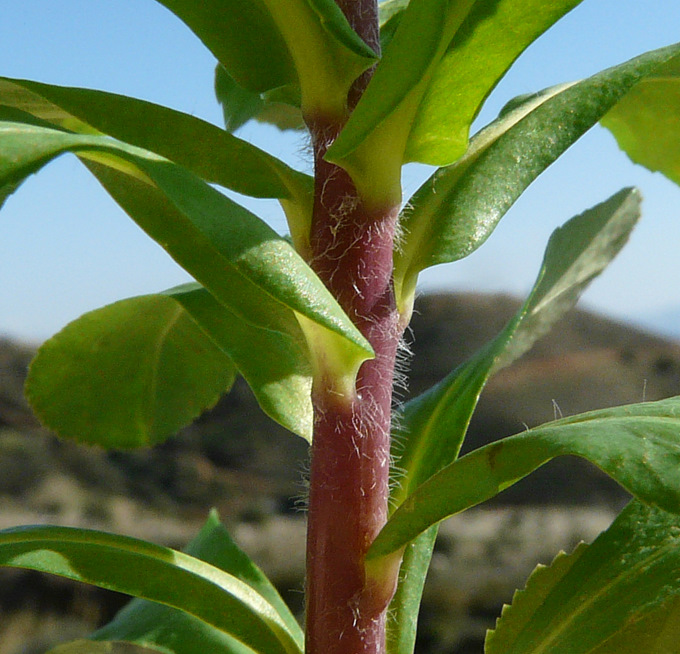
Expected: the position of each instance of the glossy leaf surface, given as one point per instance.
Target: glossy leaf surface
(646, 123)
(457, 209)
(150, 624)
(128, 375)
(432, 426)
(156, 573)
(619, 594)
(371, 146)
(244, 38)
(637, 445)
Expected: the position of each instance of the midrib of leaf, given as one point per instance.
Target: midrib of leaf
(585, 605)
(151, 402)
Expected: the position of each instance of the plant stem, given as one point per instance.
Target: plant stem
(349, 483)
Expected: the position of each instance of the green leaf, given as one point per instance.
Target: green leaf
(456, 210)
(620, 594)
(439, 66)
(128, 375)
(431, 427)
(209, 152)
(155, 573)
(390, 15)
(244, 38)
(276, 364)
(240, 260)
(268, 44)
(174, 632)
(525, 602)
(646, 123)
(88, 647)
(637, 445)
(372, 144)
(493, 36)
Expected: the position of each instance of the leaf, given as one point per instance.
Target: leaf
(646, 123)
(244, 38)
(621, 591)
(431, 427)
(456, 210)
(155, 573)
(128, 375)
(276, 364)
(88, 647)
(371, 145)
(241, 261)
(209, 152)
(268, 44)
(438, 68)
(637, 445)
(174, 632)
(239, 105)
(390, 15)
(493, 36)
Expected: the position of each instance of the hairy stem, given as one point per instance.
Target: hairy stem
(349, 484)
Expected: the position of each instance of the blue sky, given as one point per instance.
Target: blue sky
(66, 248)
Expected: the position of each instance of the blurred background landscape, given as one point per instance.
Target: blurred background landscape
(235, 459)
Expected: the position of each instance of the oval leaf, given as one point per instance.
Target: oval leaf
(276, 364)
(128, 375)
(637, 445)
(155, 573)
(621, 594)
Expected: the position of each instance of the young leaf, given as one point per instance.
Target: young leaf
(438, 67)
(492, 37)
(432, 426)
(268, 44)
(456, 210)
(371, 146)
(174, 632)
(637, 445)
(620, 594)
(226, 248)
(128, 375)
(646, 123)
(155, 573)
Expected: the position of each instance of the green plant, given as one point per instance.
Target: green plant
(313, 321)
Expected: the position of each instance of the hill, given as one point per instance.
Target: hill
(236, 459)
